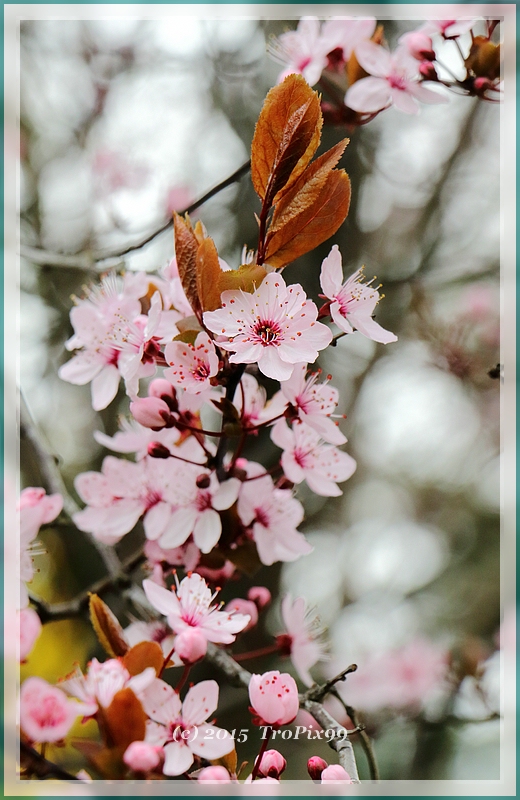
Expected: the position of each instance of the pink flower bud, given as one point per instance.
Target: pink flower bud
(419, 45)
(315, 767)
(142, 756)
(152, 412)
(158, 450)
(30, 628)
(259, 595)
(272, 764)
(244, 607)
(214, 774)
(191, 645)
(163, 389)
(335, 774)
(274, 697)
(428, 71)
(482, 84)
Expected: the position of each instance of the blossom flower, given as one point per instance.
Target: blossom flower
(142, 756)
(100, 324)
(347, 34)
(419, 45)
(135, 438)
(274, 698)
(314, 402)
(304, 50)
(274, 514)
(244, 607)
(180, 728)
(154, 631)
(305, 457)
(36, 508)
(46, 713)
(335, 773)
(274, 327)
(123, 492)
(351, 303)
(192, 365)
(448, 28)
(191, 607)
(215, 774)
(393, 80)
(250, 402)
(102, 682)
(200, 498)
(302, 637)
(30, 629)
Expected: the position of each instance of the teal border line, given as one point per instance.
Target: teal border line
(2, 268)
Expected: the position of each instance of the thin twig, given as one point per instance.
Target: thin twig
(365, 740)
(101, 260)
(34, 762)
(318, 692)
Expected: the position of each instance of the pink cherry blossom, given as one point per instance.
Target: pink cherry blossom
(274, 697)
(191, 645)
(272, 764)
(351, 303)
(36, 508)
(274, 514)
(250, 402)
(191, 607)
(216, 774)
(393, 81)
(200, 497)
(274, 327)
(419, 45)
(314, 402)
(448, 28)
(46, 713)
(303, 51)
(305, 457)
(101, 323)
(30, 629)
(347, 34)
(192, 366)
(303, 636)
(102, 682)
(244, 607)
(135, 438)
(402, 678)
(142, 756)
(180, 728)
(123, 492)
(335, 773)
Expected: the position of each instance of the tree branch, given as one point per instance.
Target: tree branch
(319, 691)
(34, 762)
(240, 677)
(101, 260)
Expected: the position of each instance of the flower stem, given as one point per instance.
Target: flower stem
(184, 678)
(263, 748)
(165, 662)
(262, 651)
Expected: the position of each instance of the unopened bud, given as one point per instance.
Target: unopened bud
(191, 645)
(162, 388)
(203, 481)
(142, 756)
(335, 774)
(482, 84)
(152, 412)
(215, 774)
(315, 766)
(272, 764)
(428, 71)
(158, 450)
(259, 595)
(241, 606)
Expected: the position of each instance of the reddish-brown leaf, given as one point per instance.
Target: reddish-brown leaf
(186, 246)
(107, 627)
(143, 655)
(313, 226)
(124, 719)
(303, 194)
(286, 136)
(208, 275)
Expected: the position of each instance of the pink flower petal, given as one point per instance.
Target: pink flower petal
(369, 95)
(200, 702)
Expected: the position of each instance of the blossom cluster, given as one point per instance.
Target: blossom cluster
(348, 58)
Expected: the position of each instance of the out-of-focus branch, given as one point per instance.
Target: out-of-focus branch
(34, 763)
(53, 482)
(52, 612)
(238, 676)
(101, 260)
(365, 740)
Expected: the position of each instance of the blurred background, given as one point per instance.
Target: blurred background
(123, 121)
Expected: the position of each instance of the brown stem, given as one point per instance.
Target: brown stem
(262, 651)
(319, 692)
(184, 678)
(37, 764)
(263, 748)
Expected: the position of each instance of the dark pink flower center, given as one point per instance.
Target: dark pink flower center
(262, 517)
(397, 81)
(203, 501)
(267, 331)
